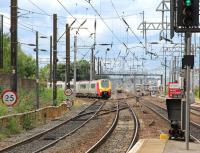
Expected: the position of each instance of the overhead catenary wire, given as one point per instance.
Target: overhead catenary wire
(70, 14)
(25, 27)
(104, 22)
(115, 36)
(122, 19)
(39, 7)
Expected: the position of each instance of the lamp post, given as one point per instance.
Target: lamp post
(36, 49)
(37, 69)
(37, 72)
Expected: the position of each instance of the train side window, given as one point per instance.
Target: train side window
(83, 86)
(92, 86)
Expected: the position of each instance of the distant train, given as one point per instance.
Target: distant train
(95, 88)
(119, 89)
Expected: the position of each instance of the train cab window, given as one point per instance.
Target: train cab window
(83, 86)
(104, 83)
(92, 86)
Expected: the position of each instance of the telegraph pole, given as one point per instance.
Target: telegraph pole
(13, 46)
(37, 72)
(67, 64)
(54, 58)
(92, 54)
(75, 54)
(165, 75)
(91, 64)
(50, 71)
(199, 68)
(1, 41)
(94, 63)
(98, 66)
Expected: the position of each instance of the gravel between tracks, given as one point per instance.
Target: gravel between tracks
(85, 137)
(151, 125)
(26, 134)
(161, 103)
(121, 137)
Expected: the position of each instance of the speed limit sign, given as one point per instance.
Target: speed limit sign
(9, 97)
(68, 92)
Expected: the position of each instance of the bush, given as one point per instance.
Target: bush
(25, 102)
(2, 135)
(3, 110)
(196, 92)
(27, 123)
(12, 127)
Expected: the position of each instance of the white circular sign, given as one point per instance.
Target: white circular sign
(69, 103)
(9, 97)
(68, 92)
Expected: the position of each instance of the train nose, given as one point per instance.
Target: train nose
(105, 94)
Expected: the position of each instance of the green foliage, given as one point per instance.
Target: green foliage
(3, 110)
(27, 123)
(44, 73)
(61, 72)
(196, 92)
(61, 96)
(46, 96)
(83, 71)
(26, 64)
(13, 127)
(26, 101)
(3, 135)
(6, 54)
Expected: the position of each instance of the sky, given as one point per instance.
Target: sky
(127, 51)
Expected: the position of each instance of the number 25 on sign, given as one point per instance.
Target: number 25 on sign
(9, 98)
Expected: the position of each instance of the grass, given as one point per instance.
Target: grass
(28, 122)
(11, 128)
(27, 100)
(196, 92)
(3, 135)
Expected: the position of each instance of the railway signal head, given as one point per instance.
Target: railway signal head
(188, 3)
(188, 13)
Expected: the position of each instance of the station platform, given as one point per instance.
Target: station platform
(164, 146)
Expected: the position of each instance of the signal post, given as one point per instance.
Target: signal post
(184, 18)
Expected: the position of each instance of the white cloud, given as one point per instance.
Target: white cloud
(81, 10)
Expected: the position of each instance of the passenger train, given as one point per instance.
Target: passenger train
(95, 88)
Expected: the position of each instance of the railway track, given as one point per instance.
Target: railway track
(50, 137)
(194, 127)
(122, 128)
(195, 111)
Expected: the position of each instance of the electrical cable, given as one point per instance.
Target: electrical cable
(38, 7)
(70, 13)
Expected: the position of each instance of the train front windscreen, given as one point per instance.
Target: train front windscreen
(104, 83)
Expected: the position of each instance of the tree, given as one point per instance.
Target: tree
(83, 71)
(45, 73)
(26, 64)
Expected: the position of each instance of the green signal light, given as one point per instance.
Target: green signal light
(188, 2)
